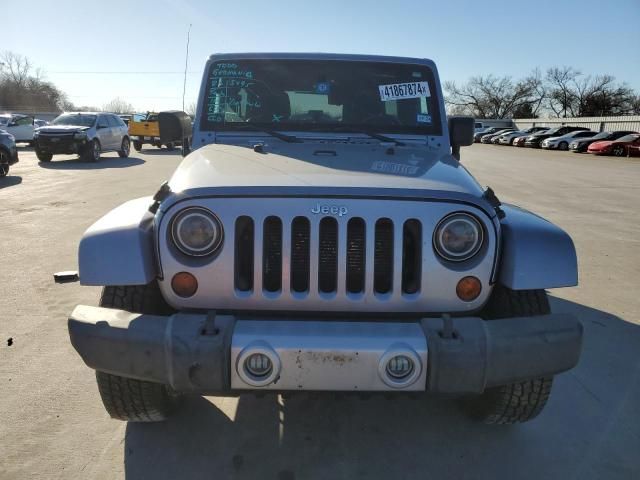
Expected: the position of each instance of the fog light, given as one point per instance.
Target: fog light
(468, 289)
(184, 284)
(400, 366)
(258, 365)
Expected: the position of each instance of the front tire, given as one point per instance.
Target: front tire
(43, 156)
(522, 401)
(125, 148)
(126, 398)
(92, 152)
(563, 146)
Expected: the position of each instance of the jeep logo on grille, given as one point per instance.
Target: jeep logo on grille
(338, 210)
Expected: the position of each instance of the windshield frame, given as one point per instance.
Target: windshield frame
(312, 128)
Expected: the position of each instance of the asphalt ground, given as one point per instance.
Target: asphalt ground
(53, 425)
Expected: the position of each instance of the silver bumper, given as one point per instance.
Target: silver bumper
(206, 354)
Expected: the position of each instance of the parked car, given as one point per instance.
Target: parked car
(509, 137)
(562, 142)
(20, 126)
(478, 136)
(581, 145)
(86, 134)
(536, 139)
(488, 138)
(370, 268)
(146, 130)
(8, 152)
(620, 147)
(519, 141)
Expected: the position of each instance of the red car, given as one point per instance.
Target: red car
(519, 141)
(623, 146)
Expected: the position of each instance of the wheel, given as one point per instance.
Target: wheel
(618, 151)
(125, 398)
(4, 164)
(137, 145)
(43, 156)
(92, 152)
(563, 146)
(125, 148)
(521, 401)
(170, 146)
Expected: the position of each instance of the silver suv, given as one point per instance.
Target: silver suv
(323, 235)
(86, 134)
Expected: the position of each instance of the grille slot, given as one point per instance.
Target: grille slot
(300, 251)
(411, 256)
(328, 255)
(383, 256)
(272, 254)
(356, 255)
(244, 254)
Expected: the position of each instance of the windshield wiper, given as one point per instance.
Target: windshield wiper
(281, 136)
(377, 136)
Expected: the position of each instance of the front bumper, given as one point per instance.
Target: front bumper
(204, 353)
(68, 146)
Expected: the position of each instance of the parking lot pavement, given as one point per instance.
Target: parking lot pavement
(52, 424)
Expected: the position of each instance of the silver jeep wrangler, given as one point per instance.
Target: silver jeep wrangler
(323, 236)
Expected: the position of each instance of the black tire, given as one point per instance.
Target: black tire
(125, 148)
(170, 146)
(4, 163)
(92, 151)
(563, 146)
(618, 151)
(137, 145)
(516, 402)
(43, 156)
(126, 398)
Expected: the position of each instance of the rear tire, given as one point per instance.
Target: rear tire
(563, 146)
(137, 145)
(618, 151)
(522, 401)
(126, 398)
(170, 146)
(43, 156)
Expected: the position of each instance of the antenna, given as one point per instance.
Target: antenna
(186, 63)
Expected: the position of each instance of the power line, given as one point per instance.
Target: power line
(87, 72)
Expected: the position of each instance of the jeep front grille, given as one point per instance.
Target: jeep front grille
(291, 242)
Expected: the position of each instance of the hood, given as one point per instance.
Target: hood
(600, 144)
(323, 165)
(62, 129)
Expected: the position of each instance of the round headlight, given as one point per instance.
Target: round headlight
(196, 232)
(458, 237)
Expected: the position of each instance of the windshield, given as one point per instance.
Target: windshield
(76, 119)
(321, 95)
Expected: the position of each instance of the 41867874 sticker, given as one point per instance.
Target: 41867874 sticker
(401, 91)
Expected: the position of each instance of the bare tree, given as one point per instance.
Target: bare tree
(495, 97)
(118, 105)
(561, 98)
(191, 109)
(16, 68)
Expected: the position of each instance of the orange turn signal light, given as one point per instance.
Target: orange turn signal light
(184, 284)
(468, 289)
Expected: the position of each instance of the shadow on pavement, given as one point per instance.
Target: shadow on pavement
(157, 151)
(590, 429)
(105, 162)
(10, 181)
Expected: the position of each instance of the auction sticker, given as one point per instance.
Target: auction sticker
(400, 91)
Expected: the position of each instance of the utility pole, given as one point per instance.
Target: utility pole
(186, 64)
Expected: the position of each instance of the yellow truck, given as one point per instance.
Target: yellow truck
(145, 129)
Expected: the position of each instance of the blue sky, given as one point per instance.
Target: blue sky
(64, 37)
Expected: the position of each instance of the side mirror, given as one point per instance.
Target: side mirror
(461, 133)
(175, 126)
